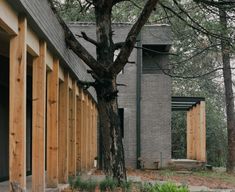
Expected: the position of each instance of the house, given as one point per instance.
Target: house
(145, 99)
(48, 124)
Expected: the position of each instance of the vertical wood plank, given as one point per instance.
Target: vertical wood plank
(92, 134)
(63, 129)
(197, 133)
(203, 130)
(87, 133)
(189, 150)
(89, 139)
(78, 131)
(83, 139)
(96, 132)
(52, 125)
(72, 131)
(17, 114)
(39, 103)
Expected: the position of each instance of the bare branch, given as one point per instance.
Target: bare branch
(130, 41)
(84, 36)
(76, 46)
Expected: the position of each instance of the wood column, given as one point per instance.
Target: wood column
(52, 125)
(92, 134)
(39, 116)
(96, 132)
(197, 133)
(72, 131)
(17, 115)
(83, 139)
(63, 129)
(79, 132)
(203, 131)
(86, 126)
(189, 134)
(89, 138)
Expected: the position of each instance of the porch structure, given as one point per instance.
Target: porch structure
(196, 125)
(49, 123)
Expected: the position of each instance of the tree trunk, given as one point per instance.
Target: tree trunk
(225, 48)
(110, 133)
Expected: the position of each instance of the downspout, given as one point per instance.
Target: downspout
(138, 100)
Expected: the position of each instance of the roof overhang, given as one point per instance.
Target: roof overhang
(184, 103)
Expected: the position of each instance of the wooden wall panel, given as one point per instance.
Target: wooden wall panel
(63, 129)
(17, 116)
(39, 103)
(52, 125)
(83, 139)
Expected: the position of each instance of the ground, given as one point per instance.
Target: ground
(216, 179)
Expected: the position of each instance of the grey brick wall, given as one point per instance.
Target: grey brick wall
(156, 119)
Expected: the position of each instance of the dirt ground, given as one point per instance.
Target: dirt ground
(210, 179)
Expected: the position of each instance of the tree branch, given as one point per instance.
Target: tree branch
(86, 84)
(77, 48)
(84, 36)
(130, 41)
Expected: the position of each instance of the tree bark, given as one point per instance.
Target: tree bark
(110, 133)
(225, 48)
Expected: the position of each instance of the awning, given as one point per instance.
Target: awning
(184, 103)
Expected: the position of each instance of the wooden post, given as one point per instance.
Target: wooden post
(89, 139)
(39, 104)
(197, 133)
(87, 133)
(92, 134)
(72, 131)
(78, 131)
(83, 139)
(189, 150)
(63, 129)
(17, 116)
(203, 130)
(52, 125)
(95, 131)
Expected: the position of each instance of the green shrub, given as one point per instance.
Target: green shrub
(168, 187)
(78, 184)
(126, 186)
(108, 184)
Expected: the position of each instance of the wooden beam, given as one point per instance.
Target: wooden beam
(78, 131)
(17, 116)
(52, 125)
(32, 43)
(72, 130)
(63, 129)
(38, 138)
(49, 61)
(61, 74)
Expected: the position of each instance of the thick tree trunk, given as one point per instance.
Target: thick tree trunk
(110, 133)
(228, 93)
